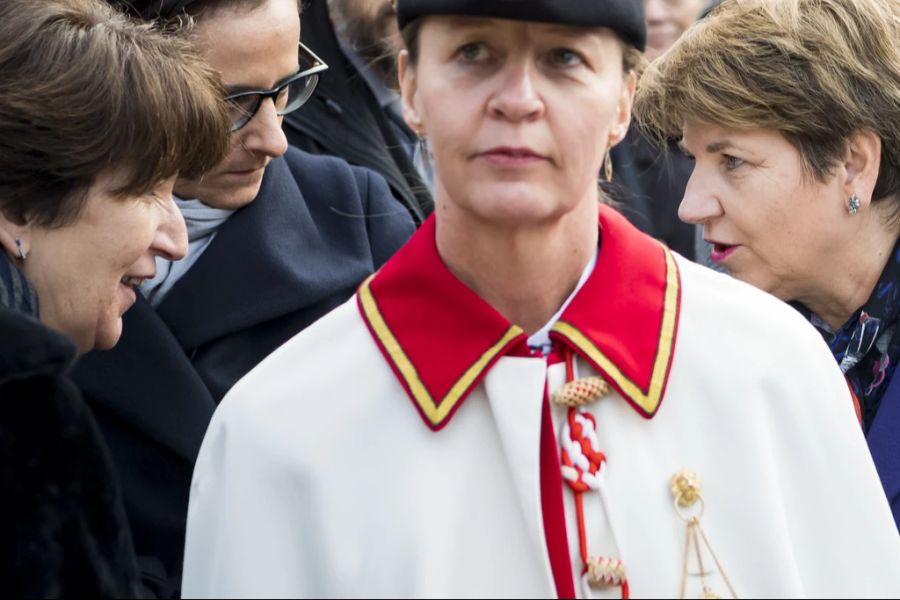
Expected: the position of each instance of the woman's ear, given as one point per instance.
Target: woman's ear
(408, 88)
(15, 238)
(862, 160)
(623, 116)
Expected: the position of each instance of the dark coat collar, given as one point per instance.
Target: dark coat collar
(28, 347)
(441, 338)
(252, 273)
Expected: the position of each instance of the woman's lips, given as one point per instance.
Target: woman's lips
(504, 156)
(720, 252)
(249, 173)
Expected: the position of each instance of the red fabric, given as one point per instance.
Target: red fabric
(620, 306)
(552, 508)
(444, 327)
(856, 407)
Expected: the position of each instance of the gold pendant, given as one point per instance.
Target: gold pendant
(685, 486)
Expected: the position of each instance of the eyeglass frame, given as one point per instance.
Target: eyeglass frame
(319, 66)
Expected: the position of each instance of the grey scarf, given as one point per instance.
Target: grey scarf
(202, 224)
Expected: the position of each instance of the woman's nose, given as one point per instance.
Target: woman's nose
(263, 134)
(517, 97)
(699, 204)
(171, 240)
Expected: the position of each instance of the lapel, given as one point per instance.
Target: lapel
(148, 381)
(280, 254)
(441, 339)
(885, 443)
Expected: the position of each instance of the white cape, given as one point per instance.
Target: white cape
(318, 478)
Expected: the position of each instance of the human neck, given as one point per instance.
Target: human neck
(852, 275)
(525, 272)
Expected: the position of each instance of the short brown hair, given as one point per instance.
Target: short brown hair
(818, 71)
(86, 90)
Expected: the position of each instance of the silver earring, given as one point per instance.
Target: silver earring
(853, 204)
(22, 254)
(424, 150)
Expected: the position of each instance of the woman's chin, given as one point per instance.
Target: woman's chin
(108, 335)
(516, 207)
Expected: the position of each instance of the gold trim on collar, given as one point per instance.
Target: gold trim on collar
(648, 400)
(436, 413)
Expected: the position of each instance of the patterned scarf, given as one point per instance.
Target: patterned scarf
(15, 291)
(865, 346)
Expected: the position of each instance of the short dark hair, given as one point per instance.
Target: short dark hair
(86, 90)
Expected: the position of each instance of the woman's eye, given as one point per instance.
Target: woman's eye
(564, 57)
(732, 162)
(472, 52)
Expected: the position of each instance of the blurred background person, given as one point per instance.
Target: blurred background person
(97, 116)
(355, 112)
(667, 20)
(791, 111)
(650, 176)
(276, 239)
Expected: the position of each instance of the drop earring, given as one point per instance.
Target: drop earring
(608, 166)
(22, 253)
(424, 151)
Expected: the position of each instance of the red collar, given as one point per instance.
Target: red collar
(441, 338)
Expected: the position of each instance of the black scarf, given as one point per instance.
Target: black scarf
(15, 291)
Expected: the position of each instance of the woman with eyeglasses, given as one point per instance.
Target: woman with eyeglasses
(276, 239)
(532, 398)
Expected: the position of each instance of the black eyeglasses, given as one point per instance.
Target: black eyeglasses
(288, 96)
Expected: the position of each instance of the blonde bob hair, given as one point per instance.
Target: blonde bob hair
(818, 71)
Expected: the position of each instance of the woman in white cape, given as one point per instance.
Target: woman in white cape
(532, 398)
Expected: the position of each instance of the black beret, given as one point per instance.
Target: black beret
(625, 17)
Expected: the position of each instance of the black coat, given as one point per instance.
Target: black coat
(63, 530)
(343, 118)
(317, 228)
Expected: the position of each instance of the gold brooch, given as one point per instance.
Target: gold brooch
(689, 505)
